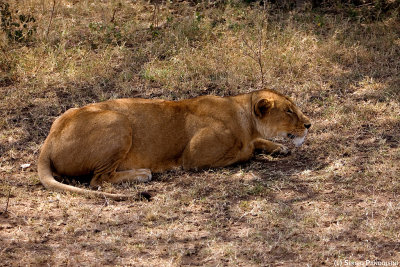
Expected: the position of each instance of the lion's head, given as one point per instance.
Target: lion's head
(277, 115)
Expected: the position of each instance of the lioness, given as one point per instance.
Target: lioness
(127, 139)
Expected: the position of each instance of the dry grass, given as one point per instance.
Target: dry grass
(334, 198)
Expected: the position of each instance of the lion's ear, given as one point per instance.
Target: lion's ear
(262, 107)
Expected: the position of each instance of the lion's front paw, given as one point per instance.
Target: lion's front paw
(281, 150)
(143, 175)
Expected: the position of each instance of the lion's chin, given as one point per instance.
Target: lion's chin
(298, 141)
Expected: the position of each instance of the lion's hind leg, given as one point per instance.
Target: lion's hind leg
(115, 177)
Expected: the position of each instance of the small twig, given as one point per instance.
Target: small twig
(113, 15)
(257, 48)
(244, 214)
(155, 14)
(106, 203)
(8, 200)
(260, 52)
(117, 8)
(251, 48)
(51, 18)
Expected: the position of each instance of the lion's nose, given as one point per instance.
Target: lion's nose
(307, 125)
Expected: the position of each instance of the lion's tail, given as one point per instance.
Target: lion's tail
(47, 179)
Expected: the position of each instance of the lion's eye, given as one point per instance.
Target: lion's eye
(289, 111)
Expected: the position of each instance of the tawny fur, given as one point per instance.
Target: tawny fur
(127, 139)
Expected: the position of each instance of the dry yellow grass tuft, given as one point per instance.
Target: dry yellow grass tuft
(335, 198)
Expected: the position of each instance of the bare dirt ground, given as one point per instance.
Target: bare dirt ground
(335, 198)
